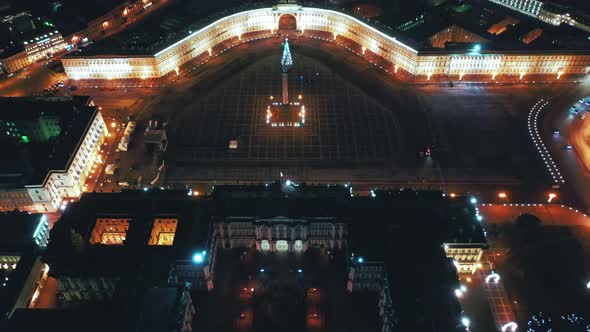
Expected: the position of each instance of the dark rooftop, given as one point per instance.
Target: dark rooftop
(158, 308)
(37, 158)
(178, 20)
(16, 240)
(478, 17)
(17, 231)
(421, 214)
(167, 26)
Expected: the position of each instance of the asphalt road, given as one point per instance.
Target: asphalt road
(30, 81)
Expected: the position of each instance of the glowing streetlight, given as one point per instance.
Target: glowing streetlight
(509, 327)
(559, 73)
(458, 293)
(473, 200)
(335, 34)
(395, 68)
(364, 50)
(465, 321)
(453, 195)
(494, 277)
(113, 124)
(502, 195)
(551, 197)
(210, 51)
(199, 257)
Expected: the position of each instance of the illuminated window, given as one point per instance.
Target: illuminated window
(109, 231)
(282, 245)
(298, 245)
(163, 232)
(264, 245)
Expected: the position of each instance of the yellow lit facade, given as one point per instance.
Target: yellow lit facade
(155, 69)
(467, 256)
(163, 232)
(109, 231)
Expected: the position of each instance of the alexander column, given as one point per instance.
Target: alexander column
(286, 64)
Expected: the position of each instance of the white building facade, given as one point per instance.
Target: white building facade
(59, 185)
(151, 69)
(43, 46)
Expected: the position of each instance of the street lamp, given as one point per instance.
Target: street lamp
(551, 197)
(493, 277)
(199, 257)
(509, 327)
(465, 321)
(502, 195)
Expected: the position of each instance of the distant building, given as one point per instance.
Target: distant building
(15, 26)
(23, 238)
(31, 41)
(527, 7)
(30, 48)
(149, 61)
(54, 143)
(546, 12)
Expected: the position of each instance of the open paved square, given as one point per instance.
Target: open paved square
(363, 125)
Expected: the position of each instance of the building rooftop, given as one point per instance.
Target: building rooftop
(164, 28)
(160, 308)
(35, 159)
(17, 231)
(18, 253)
(405, 229)
(415, 211)
(179, 20)
(479, 17)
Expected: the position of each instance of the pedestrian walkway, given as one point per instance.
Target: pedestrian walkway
(498, 299)
(549, 214)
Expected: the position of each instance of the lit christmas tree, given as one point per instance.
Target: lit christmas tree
(286, 60)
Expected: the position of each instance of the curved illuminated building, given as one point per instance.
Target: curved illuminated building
(160, 64)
